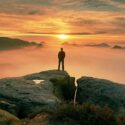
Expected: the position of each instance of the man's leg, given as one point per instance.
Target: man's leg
(63, 64)
(59, 65)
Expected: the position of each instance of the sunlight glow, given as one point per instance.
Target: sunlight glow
(63, 36)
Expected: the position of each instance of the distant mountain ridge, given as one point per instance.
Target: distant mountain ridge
(12, 43)
(98, 45)
(118, 47)
(89, 44)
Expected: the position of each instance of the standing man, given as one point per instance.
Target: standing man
(61, 57)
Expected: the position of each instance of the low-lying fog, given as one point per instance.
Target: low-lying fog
(104, 63)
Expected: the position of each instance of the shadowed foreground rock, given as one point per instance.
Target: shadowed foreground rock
(102, 92)
(8, 119)
(28, 95)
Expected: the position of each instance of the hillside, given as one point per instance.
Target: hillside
(10, 43)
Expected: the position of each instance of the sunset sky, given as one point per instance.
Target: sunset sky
(65, 23)
(89, 19)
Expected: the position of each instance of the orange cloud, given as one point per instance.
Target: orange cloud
(40, 17)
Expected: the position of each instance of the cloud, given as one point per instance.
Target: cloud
(99, 5)
(27, 6)
(102, 5)
(5, 64)
(120, 1)
(119, 21)
(34, 12)
(62, 16)
(23, 7)
(117, 25)
(83, 21)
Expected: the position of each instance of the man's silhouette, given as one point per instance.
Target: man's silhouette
(61, 57)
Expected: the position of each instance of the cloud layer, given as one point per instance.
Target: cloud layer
(21, 17)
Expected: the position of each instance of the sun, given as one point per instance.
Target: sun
(63, 36)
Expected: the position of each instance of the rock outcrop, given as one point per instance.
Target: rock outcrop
(102, 92)
(28, 95)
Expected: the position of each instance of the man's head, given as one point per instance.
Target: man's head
(61, 49)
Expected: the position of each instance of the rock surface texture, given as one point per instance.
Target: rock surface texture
(24, 97)
(102, 92)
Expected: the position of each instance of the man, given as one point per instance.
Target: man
(61, 57)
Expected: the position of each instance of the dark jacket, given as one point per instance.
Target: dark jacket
(61, 55)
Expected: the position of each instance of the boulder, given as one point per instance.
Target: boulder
(31, 94)
(102, 92)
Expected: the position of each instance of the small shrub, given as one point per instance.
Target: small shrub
(121, 120)
(86, 114)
